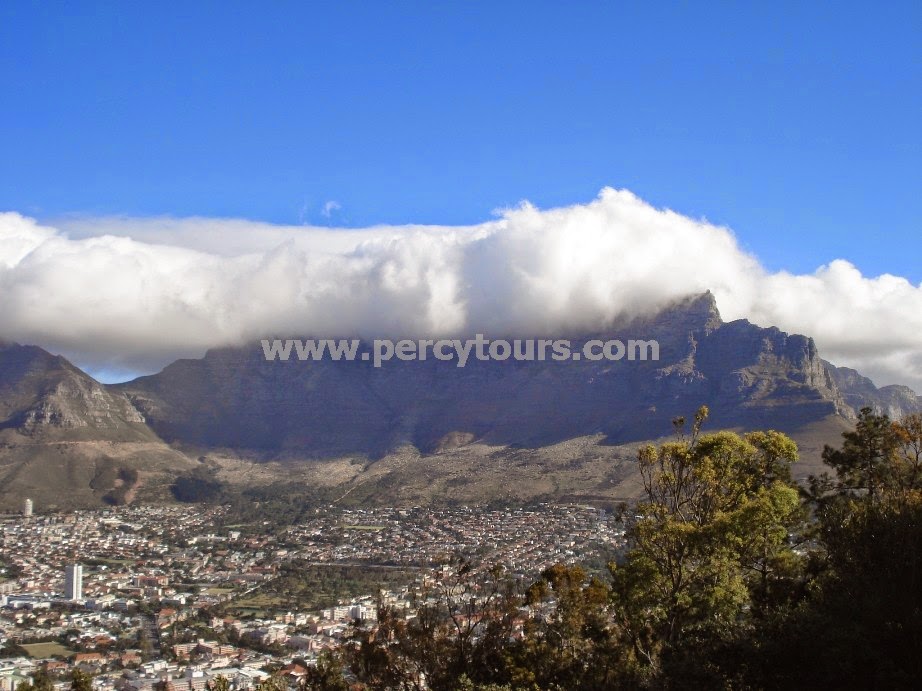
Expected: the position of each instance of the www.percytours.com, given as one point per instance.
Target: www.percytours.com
(481, 348)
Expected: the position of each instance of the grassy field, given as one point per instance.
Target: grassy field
(316, 586)
(258, 604)
(104, 561)
(259, 600)
(42, 650)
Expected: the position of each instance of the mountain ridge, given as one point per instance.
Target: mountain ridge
(66, 440)
(388, 427)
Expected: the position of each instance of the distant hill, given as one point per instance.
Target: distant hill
(43, 397)
(67, 440)
(858, 391)
(415, 432)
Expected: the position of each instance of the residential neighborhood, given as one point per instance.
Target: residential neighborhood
(156, 597)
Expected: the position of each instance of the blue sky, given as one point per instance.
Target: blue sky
(797, 124)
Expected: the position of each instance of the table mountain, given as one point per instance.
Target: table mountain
(749, 376)
(422, 430)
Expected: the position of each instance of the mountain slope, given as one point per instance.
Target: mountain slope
(411, 432)
(859, 391)
(397, 416)
(44, 397)
(749, 376)
(67, 440)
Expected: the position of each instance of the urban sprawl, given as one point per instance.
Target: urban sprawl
(174, 597)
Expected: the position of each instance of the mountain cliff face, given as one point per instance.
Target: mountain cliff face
(67, 440)
(43, 396)
(858, 391)
(569, 428)
(749, 377)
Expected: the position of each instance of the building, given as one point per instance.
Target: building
(73, 582)
(27, 507)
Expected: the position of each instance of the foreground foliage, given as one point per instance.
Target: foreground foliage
(734, 578)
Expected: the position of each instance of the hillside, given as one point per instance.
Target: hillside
(67, 440)
(416, 432)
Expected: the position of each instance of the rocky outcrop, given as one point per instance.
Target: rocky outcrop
(859, 391)
(43, 395)
(65, 438)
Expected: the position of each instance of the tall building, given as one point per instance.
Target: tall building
(73, 582)
(27, 507)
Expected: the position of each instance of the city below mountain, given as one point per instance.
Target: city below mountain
(416, 432)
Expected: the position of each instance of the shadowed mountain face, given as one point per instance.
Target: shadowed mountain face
(68, 440)
(858, 391)
(750, 377)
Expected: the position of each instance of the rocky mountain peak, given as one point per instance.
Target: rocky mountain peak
(859, 391)
(43, 394)
(696, 314)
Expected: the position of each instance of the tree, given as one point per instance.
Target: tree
(388, 656)
(13, 649)
(41, 681)
(708, 537)
(861, 624)
(907, 470)
(568, 641)
(273, 682)
(326, 675)
(81, 681)
(462, 625)
(465, 684)
(862, 464)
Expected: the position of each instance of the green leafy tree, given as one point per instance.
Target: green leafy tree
(461, 627)
(41, 681)
(465, 684)
(568, 641)
(13, 649)
(390, 655)
(708, 538)
(81, 681)
(861, 624)
(326, 675)
(863, 461)
(273, 682)
(907, 464)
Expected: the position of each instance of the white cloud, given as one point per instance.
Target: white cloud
(136, 293)
(329, 207)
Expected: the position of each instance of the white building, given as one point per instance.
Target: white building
(73, 582)
(27, 507)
